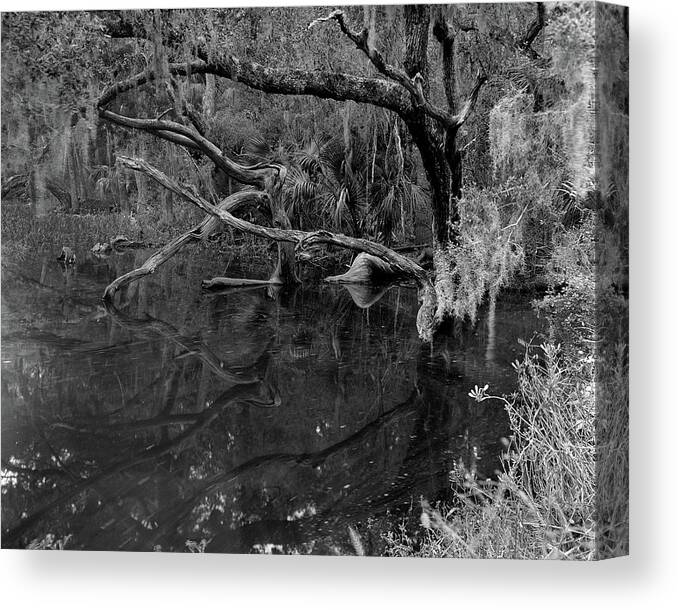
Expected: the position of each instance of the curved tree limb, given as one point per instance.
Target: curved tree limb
(258, 175)
(302, 239)
(413, 85)
(201, 231)
(218, 283)
(326, 85)
(167, 135)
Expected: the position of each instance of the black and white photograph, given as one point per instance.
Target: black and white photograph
(318, 280)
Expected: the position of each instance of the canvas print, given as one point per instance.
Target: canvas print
(319, 280)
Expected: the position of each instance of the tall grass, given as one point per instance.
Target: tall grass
(25, 233)
(562, 494)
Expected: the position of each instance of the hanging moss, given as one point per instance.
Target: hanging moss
(484, 259)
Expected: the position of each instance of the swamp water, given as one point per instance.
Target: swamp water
(246, 421)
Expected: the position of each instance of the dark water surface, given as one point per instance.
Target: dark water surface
(250, 421)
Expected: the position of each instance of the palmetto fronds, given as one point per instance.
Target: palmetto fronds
(394, 203)
(332, 183)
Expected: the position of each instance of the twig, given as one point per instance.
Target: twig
(164, 113)
(515, 224)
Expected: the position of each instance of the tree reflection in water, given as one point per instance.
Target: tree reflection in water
(249, 420)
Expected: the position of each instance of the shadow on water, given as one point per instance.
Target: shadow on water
(253, 420)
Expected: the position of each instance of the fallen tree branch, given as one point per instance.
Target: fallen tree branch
(217, 283)
(401, 265)
(365, 269)
(302, 239)
(199, 232)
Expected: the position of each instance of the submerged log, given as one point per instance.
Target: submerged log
(366, 269)
(120, 242)
(217, 283)
(117, 244)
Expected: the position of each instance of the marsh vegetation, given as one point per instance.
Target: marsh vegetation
(457, 386)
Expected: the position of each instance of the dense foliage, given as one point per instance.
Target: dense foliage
(544, 197)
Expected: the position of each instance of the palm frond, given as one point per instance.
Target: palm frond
(308, 157)
(257, 146)
(332, 157)
(300, 189)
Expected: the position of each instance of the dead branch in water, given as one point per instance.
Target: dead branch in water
(401, 265)
(303, 239)
(197, 233)
(216, 283)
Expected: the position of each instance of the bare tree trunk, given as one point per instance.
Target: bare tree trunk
(72, 177)
(208, 99)
(123, 200)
